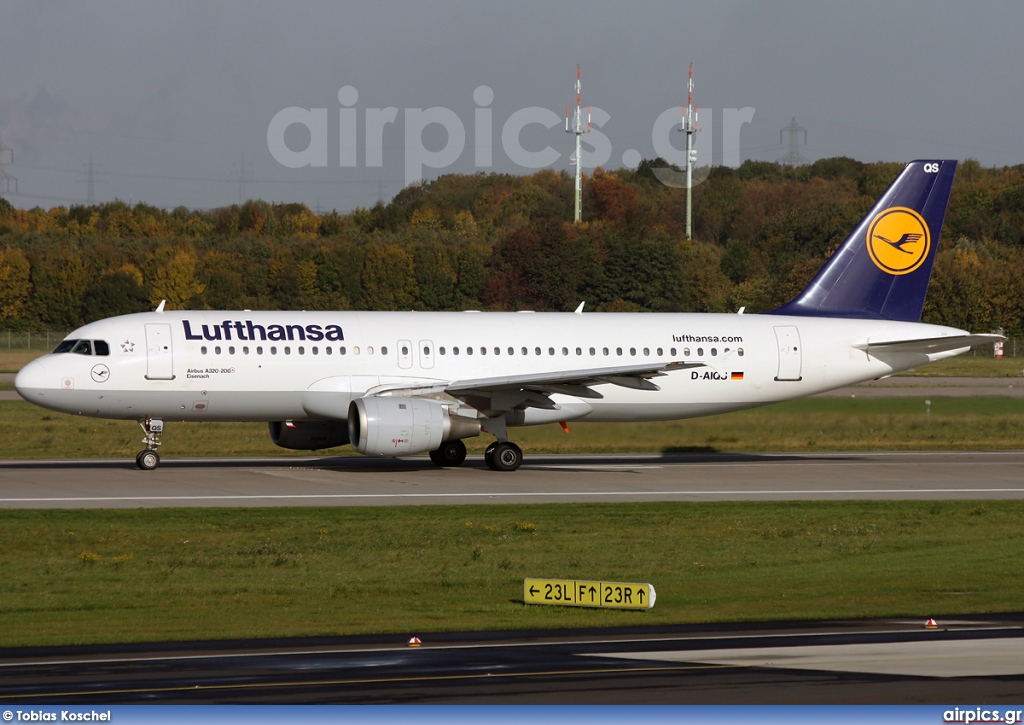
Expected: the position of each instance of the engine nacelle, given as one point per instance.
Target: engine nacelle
(308, 435)
(382, 426)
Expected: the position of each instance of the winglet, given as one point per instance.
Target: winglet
(160, 307)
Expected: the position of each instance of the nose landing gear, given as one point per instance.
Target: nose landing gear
(149, 459)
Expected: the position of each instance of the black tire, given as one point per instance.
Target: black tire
(489, 456)
(450, 454)
(506, 457)
(147, 460)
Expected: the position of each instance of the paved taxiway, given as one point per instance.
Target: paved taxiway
(357, 481)
(975, 659)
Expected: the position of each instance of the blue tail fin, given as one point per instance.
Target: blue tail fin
(882, 269)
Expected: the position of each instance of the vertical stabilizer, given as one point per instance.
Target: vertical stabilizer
(882, 269)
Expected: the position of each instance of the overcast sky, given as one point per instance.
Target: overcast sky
(173, 101)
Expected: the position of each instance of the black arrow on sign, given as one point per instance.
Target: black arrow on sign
(534, 590)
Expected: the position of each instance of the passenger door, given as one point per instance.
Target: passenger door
(159, 354)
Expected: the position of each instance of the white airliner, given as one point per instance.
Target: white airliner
(399, 383)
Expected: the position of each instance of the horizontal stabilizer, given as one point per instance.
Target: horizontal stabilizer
(928, 345)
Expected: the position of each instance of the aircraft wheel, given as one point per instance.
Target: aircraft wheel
(489, 455)
(450, 454)
(505, 457)
(147, 460)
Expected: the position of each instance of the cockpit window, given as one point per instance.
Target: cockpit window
(83, 347)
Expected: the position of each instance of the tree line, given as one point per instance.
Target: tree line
(503, 242)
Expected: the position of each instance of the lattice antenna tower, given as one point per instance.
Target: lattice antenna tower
(794, 157)
(690, 126)
(90, 183)
(8, 183)
(578, 130)
(244, 173)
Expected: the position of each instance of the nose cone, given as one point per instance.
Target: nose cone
(34, 381)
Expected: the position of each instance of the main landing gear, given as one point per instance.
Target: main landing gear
(499, 456)
(450, 454)
(503, 456)
(149, 459)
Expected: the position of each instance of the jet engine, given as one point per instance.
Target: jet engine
(308, 435)
(383, 426)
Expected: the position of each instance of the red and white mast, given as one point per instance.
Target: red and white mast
(578, 130)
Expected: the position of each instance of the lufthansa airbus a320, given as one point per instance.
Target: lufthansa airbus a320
(400, 383)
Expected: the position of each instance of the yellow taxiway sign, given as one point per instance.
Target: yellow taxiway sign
(568, 593)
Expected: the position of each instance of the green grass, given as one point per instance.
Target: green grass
(11, 361)
(143, 575)
(803, 425)
(972, 366)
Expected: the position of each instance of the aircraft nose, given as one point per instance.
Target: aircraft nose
(33, 380)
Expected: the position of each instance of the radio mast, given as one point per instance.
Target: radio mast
(7, 182)
(689, 127)
(577, 130)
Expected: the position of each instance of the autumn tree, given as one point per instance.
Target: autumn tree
(388, 280)
(15, 285)
(172, 277)
(60, 280)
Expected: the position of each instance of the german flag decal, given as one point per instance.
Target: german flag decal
(735, 376)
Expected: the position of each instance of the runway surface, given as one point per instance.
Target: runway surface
(357, 481)
(967, 660)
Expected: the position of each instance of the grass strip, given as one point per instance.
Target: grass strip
(836, 424)
(74, 577)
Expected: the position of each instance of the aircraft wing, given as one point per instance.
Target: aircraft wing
(628, 376)
(533, 390)
(928, 344)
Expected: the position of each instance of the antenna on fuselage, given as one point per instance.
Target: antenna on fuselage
(160, 307)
